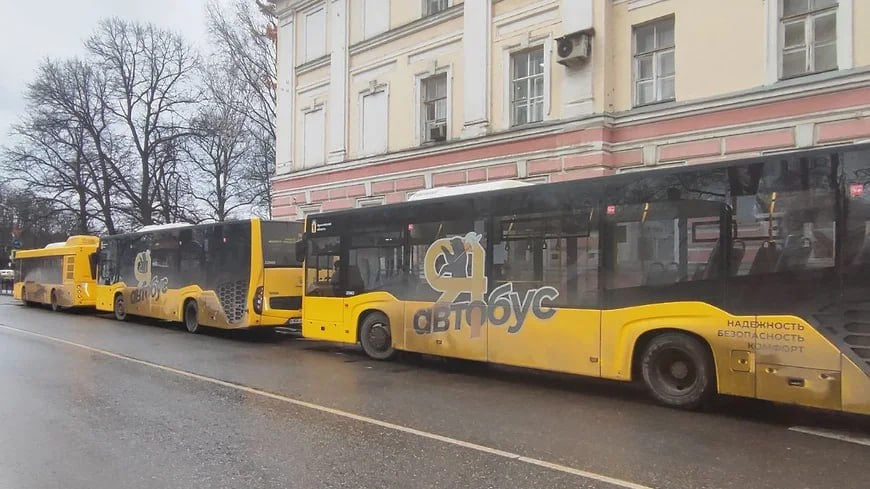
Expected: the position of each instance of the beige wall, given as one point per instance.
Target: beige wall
(861, 44)
(720, 49)
(712, 58)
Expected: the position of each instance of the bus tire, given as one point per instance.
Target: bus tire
(375, 337)
(54, 305)
(191, 322)
(678, 370)
(119, 307)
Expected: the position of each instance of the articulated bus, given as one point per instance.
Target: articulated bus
(748, 278)
(229, 275)
(61, 275)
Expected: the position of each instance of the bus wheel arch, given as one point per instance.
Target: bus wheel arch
(373, 332)
(119, 306)
(190, 315)
(676, 366)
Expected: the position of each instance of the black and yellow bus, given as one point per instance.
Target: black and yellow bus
(748, 278)
(228, 275)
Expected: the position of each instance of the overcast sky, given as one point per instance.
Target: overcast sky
(31, 30)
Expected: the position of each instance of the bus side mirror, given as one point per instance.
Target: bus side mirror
(300, 251)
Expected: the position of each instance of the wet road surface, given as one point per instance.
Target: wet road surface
(93, 403)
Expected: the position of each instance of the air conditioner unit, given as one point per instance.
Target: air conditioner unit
(438, 133)
(574, 49)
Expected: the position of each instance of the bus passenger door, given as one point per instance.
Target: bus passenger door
(323, 308)
(543, 299)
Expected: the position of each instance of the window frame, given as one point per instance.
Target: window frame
(310, 54)
(424, 101)
(305, 113)
(427, 11)
(655, 55)
(809, 46)
(529, 80)
(370, 92)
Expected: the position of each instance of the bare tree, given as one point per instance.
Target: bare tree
(245, 38)
(51, 160)
(148, 73)
(65, 104)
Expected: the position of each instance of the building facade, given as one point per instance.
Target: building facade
(381, 98)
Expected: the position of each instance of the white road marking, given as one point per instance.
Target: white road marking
(344, 414)
(834, 435)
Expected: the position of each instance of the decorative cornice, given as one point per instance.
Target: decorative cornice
(406, 30)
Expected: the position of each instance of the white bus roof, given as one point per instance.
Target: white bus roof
(434, 193)
(160, 227)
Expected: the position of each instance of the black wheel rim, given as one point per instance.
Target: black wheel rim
(676, 371)
(190, 319)
(379, 337)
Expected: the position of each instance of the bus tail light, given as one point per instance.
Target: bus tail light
(258, 301)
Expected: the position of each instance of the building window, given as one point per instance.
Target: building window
(527, 81)
(374, 123)
(432, 7)
(376, 17)
(315, 34)
(434, 107)
(654, 66)
(313, 127)
(809, 36)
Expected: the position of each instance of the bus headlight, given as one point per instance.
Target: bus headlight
(258, 301)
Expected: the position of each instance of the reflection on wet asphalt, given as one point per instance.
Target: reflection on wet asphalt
(70, 417)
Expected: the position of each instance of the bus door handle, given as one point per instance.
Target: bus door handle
(796, 382)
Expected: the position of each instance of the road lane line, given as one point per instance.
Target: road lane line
(833, 435)
(344, 414)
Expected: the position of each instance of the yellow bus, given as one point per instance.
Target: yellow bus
(61, 275)
(748, 278)
(228, 275)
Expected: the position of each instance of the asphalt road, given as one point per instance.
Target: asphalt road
(88, 402)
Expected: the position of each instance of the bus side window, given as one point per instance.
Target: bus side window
(547, 250)
(788, 224)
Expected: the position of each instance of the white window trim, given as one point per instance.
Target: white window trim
(507, 73)
(314, 107)
(418, 101)
(363, 17)
(773, 39)
(374, 87)
(305, 15)
(304, 210)
(371, 201)
(634, 95)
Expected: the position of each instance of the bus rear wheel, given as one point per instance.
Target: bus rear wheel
(54, 305)
(375, 337)
(190, 317)
(678, 371)
(120, 308)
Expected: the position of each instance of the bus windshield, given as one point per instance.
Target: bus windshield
(279, 243)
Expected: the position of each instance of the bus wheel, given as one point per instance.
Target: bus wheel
(54, 305)
(120, 308)
(374, 335)
(678, 371)
(190, 317)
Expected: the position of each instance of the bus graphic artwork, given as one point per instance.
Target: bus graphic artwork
(454, 266)
(146, 285)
